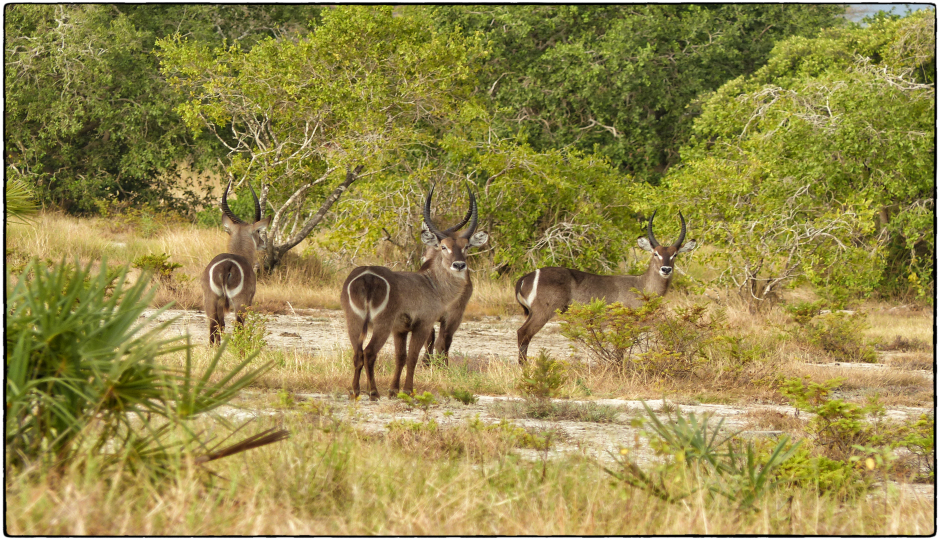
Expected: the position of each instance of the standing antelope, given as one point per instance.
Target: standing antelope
(228, 283)
(542, 292)
(399, 303)
(450, 320)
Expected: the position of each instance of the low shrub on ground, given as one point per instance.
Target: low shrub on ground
(861, 435)
(557, 410)
(158, 265)
(839, 334)
(648, 341)
(543, 378)
(248, 338)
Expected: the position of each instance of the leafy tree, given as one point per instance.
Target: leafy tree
(305, 117)
(623, 79)
(820, 166)
(88, 117)
(540, 208)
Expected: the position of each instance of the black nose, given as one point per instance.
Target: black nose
(458, 265)
(666, 269)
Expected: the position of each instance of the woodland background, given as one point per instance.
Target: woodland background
(799, 146)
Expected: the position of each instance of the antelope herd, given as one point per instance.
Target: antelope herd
(396, 304)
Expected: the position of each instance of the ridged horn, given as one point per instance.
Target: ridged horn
(257, 203)
(678, 243)
(466, 217)
(427, 217)
(649, 231)
(227, 211)
(473, 217)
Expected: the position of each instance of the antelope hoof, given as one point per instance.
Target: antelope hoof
(393, 393)
(373, 396)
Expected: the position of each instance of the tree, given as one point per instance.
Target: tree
(298, 115)
(541, 208)
(623, 79)
(88, 117)
(820, 166)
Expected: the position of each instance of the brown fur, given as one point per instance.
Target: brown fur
(400, 303)
(558, 288)
(231, 271)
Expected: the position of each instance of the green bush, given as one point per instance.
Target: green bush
(248, 338)
(85, 377)
(703, 456)
(158, 265)
(841, 335)
(464, 396)
(543, 378)
(650, 341)
(611, 333)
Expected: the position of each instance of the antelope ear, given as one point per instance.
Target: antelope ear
(263, 224)
(644, 243)
(227, 223)
(478, 239)
(429, 238)
(689, 246)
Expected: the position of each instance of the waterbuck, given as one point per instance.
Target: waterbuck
(547, 289)
(450, 320)
(399, 303)
(228, 283)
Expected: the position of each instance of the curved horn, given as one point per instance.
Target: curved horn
(465, 219)
(649, 231)
(678, 243)
(427, 217)
(226, 210)
(257, 203)
(473, 217)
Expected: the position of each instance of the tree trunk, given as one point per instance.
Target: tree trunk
(275, 253)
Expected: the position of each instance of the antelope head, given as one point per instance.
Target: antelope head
(245, 237)
(663, 256)
(452, 246)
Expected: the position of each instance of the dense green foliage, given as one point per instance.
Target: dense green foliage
(88, 116)
(296, 114)
(820, 166)
(798, 146)
(621, 79)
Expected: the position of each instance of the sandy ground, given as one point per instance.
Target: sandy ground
(320, 331)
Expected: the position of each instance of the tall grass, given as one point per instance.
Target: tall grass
(338, 481)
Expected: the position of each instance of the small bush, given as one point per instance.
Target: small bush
(611, 333)
(248, 338)
(555, 411)
(159, 266)
(543, 378)
(842, 336)
(649, 341)
(464, 396)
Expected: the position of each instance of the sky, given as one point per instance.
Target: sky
(857, 12)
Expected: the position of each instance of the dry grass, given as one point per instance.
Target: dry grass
(330, 479)
(333, 478)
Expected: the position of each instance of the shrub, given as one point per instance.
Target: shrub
(248, 338)
(841, 335)
(158, 266)
(852, 433)
(464, 396)
(700, 455)
(543, 378)
(649, 341)
(84, 376)
(611, 333)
